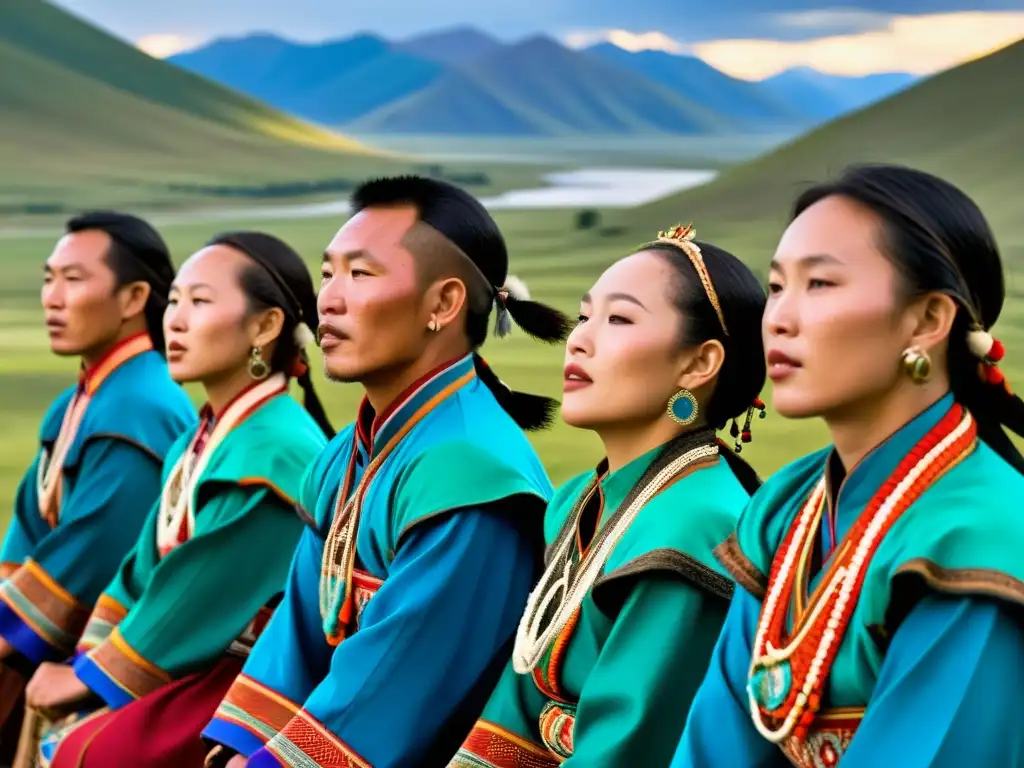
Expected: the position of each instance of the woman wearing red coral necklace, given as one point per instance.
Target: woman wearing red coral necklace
(878, 621)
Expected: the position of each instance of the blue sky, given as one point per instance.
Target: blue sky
(742, 35)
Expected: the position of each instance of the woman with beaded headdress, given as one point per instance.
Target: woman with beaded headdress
(617, 635)
(877, 621)
(171, 631)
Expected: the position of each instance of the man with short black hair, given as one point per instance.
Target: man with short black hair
(82, 502)
(425, 514)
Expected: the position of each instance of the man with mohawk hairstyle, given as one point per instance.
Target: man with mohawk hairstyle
(425, 514)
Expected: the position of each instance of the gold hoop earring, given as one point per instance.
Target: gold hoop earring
(258, 368)
(917, 364)
(683, 408)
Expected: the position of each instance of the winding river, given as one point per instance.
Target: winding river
(582, 188)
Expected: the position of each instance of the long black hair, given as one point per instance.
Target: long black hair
(279, 278)
(137, 253)
(939, 241)
(742, 301)
(463, 222)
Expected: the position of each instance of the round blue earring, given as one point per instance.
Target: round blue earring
(682, 408)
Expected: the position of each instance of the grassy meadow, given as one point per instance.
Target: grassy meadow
(91, 121)
(547, 252)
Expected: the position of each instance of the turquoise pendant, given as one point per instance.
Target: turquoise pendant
(770, 685)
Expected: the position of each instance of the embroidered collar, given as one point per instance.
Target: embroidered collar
(861, 482)
(208, 415)
(336, 594)
(177, 517)
(90, 379)
(376, 431)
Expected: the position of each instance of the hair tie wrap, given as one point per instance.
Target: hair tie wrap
(514, 289)
(990, 351)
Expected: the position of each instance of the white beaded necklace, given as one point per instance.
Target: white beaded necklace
(534, 636)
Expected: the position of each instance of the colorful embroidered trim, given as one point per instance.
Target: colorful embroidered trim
(177, 517)
(128, 349)
(7, 569)
(738, 565)
(307, 743)
(789, 669)
(123, 667)
(548, 672)
(491, 746)
(828, 741)
(337, 605)
(107, 614)
(557, 724)
(50, 479)
(259, 710)
(45, 607)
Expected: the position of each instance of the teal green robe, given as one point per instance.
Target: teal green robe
(612, 694)
(111, 477)
(162, 618)
(446, 550)
(931, 667)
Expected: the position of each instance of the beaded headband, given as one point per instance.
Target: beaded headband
(682, 238)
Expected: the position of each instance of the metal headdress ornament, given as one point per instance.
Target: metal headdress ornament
(682, 238)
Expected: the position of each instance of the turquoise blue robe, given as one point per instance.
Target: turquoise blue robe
(111, 479)
(448, 547)
(944, 691)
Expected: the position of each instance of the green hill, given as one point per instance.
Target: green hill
(538, 87)
(86, 118)
(964, 124)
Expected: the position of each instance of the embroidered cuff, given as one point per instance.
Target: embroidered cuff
(491, 746)
(305, 740)
(233, 736)
(38, 617)
(107, 614)
(250, 707)
(114, 671)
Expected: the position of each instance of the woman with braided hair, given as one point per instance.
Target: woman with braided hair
(877, 618)
(617, 635)
(172, 629)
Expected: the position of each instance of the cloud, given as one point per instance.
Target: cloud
(833, 21)
(630, 41)
(162, 46)
(920, 45)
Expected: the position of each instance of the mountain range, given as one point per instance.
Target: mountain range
(464, 82)
(87, 117)
(963, 124)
